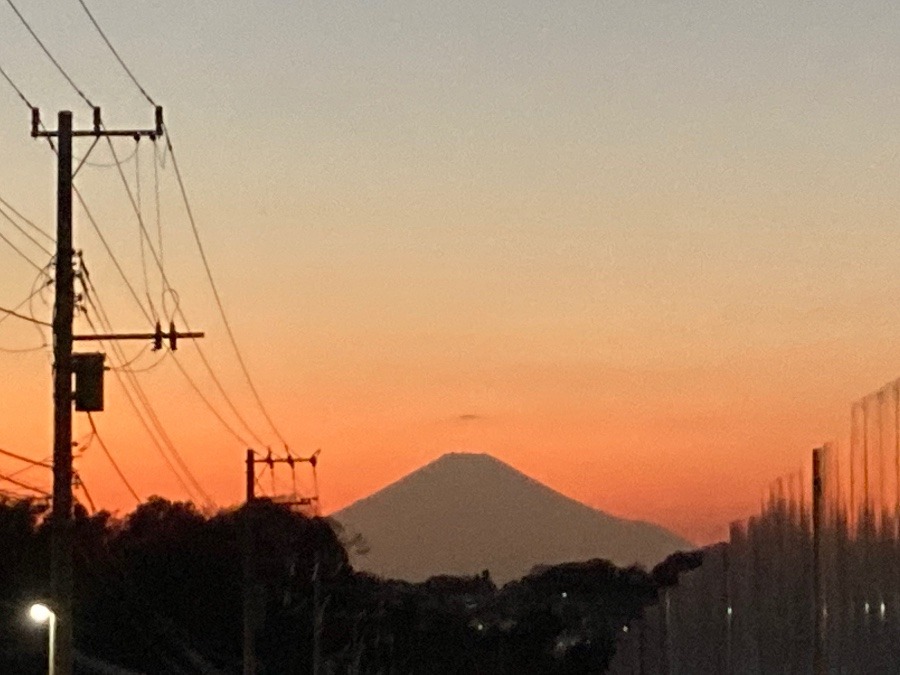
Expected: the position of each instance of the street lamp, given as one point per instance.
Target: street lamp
(40, 613)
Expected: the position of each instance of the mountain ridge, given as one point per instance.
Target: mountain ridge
(466, 512)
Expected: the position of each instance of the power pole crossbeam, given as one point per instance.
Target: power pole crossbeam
(98, 131)
(101, 337)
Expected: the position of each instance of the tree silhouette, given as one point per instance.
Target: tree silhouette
(161, 590)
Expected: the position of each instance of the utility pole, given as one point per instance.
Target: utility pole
(249, 570)
(819, 664)
(317, 617)
(61, 557)
(251, 590)
(61, 572)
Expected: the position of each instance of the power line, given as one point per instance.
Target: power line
(207, 402)
(31, 108)
(18, 91)
(112, 255)
(78, 481)
(24, 350)
(21, 253)
(28, 222)
(159, 235)
(184, 372)
(26, 301)
(178, 310)
(27, 460)
(94, 301)
(116, 54)
(215, 291)
(156, 258)
(145, 369)
(30, 319)
(159, 231)
(24, 486)
(24, 233)
(18, 472)
(147, 425)
(112, 461)
(137, 178)
(105, 165)
(36, 289)
(49, 55)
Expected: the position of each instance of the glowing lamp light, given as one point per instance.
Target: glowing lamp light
(40, 613)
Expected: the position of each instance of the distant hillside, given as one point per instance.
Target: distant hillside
(465, 513)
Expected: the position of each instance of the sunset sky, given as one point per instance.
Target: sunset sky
(644, 252)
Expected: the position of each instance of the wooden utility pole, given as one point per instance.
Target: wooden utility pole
(819, 665)
(61, 573)
(251, 589)
(61, 558)
(249, 570)
(317, 617)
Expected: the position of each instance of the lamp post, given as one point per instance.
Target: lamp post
(40, 613)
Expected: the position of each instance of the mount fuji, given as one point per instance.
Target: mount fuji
(464, 513)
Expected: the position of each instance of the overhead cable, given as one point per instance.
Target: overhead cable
(15, 87)
(116, 54)
(215, 291)
(147, 425)
(159, 234)
(94, 301)
(24, 486)
(28, 467)
(110, 253)
(13, 313)
(6, 315)
(21, 253)
(27, 460)
(50, 56)
(146, 314)
(178, 310)
(137, 178)
(24, 233)
(112, 460)
(24, 350)
(78, 482)
(28, 222)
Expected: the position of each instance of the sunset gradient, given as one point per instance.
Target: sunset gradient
(643, 252)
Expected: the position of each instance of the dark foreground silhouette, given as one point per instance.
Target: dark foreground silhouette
(161, 591)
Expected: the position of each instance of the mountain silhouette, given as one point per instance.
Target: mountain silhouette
(464, 513)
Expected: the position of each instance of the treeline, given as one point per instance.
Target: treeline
(162, 591)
